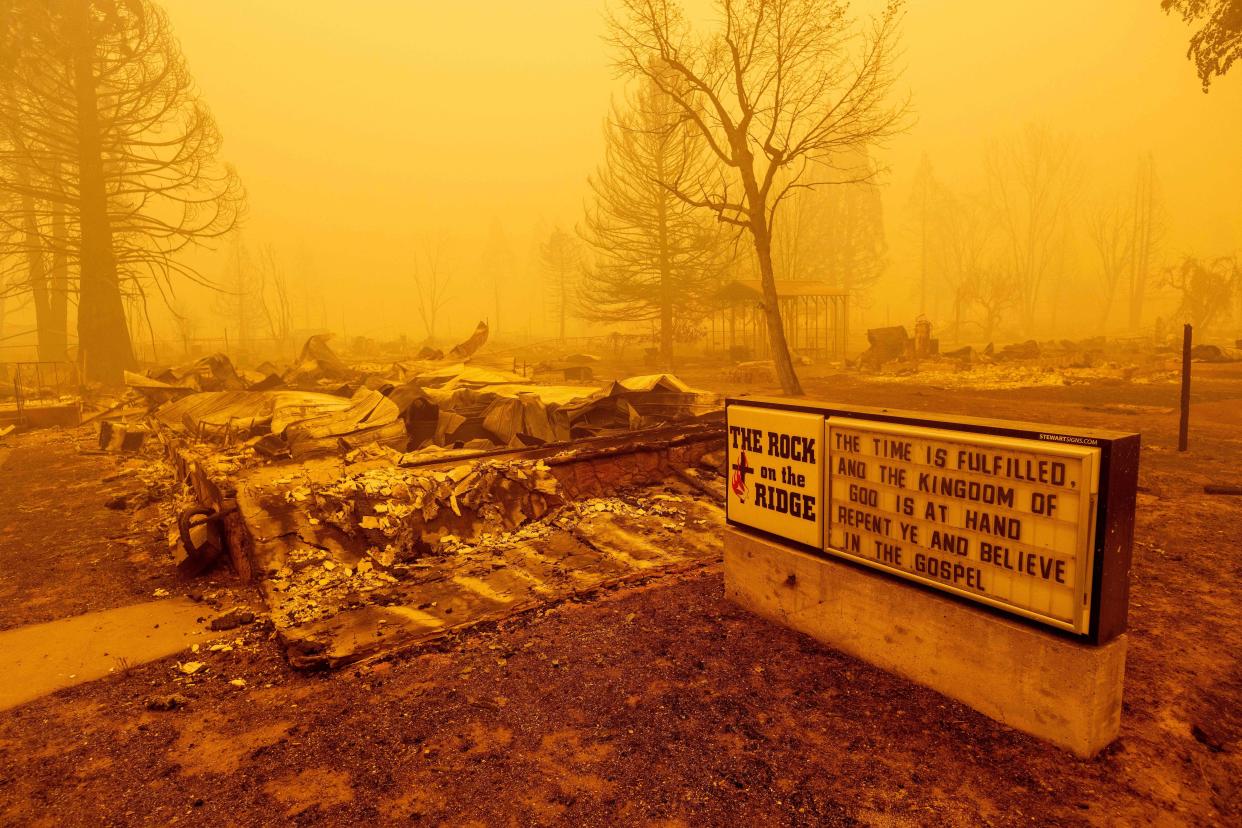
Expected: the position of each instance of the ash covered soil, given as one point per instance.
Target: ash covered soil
(62, 551)
(660, 703)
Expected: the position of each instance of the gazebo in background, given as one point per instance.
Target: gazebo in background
(816, 319)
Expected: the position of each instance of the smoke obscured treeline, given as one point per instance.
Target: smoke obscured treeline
(1007, 172)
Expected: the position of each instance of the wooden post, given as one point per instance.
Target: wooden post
(845, 327)
(1183, 431)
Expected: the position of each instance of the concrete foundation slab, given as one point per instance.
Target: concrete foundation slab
(1044, 684)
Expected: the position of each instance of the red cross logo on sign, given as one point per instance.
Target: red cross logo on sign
(740, 470)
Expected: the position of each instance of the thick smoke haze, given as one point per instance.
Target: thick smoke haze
(620, 412)
(371, 135)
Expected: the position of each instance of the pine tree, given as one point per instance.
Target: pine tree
(105, 123)
(655, 258)
(561, 257)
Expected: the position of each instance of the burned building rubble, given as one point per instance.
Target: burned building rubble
(894, 354)
(376, 506)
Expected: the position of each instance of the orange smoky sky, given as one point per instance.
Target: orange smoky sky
(362, 130)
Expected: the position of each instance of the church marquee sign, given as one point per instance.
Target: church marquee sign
(1031, 520)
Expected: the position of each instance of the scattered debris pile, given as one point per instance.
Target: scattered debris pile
(317, 362)
(312, 585)
(1216, 353)
(417, 496)
(294, 423)
(303, 424)
(405, 514)
(886, 345)
(342, 541)
(894, 356)
(329, 610)
(410, 406)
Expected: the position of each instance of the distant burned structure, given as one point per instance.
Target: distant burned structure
(39, 394)
(816, 319)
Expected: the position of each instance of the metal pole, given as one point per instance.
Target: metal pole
(1183, 431)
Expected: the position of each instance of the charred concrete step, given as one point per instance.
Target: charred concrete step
(567, 563)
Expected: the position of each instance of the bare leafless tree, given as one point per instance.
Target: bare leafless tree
(834, 234)
(432, 283)
(777, 92)
(32, 229)
(497, 267)
(961, 240)
(186, 322)
(1109, 229)
(995, 292)
(235, 300)
(1031, 181)
(272, 295)
(1146, 231)
(1126, 230)
(927, 202)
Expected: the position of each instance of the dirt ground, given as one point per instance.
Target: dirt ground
(655, 704)
(62, 551)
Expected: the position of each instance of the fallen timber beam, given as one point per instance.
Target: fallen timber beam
(1213, 489)
(627, 442)
(695, 482)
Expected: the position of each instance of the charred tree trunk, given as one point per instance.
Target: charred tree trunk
(762, 233)
(666, 283)
(36, 275)
(105, 349)
(58, 287)
(1142, 241)
(666, 317)
(564, 304)
(957, 317)
(50, 347)
(495, 325)
(785, 372)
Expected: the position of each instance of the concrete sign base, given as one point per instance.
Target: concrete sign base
(1044, 684)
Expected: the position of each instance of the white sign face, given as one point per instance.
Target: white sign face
(1004, 521)
(776, 481)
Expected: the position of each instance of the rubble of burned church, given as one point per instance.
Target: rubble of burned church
(321, 404)
(376, 504)
(404, 514)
